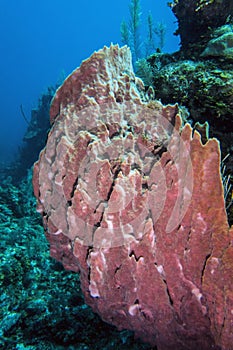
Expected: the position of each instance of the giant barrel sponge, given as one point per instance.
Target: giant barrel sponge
(133, 201)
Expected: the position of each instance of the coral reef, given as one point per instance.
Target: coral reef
(133, 201)
(204, 87)
(197, 19)
(221, 45)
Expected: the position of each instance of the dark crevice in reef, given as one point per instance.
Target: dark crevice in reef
(133, 254)
(115, 134)
(98, 223)
(168, 293)
(116, 170)
(145, 186)
(137, 167)
(204, 267)
(223, 323)
(187, 246)
(75, 184)
(117, 269)
(166, 287)
(159, 150)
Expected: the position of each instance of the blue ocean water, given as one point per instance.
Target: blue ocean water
(41, 41)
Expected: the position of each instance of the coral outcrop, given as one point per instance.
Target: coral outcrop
(198, 18)
(133, 201)
(221, 45)
(199, 75)
(204, 87)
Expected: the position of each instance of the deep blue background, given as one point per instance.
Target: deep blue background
(40, 40)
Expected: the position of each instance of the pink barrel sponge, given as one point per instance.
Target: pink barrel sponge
(133, 201)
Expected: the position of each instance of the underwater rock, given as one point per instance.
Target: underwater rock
(197, 20)
(204, 87)
(222, 45)
(134, 202)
